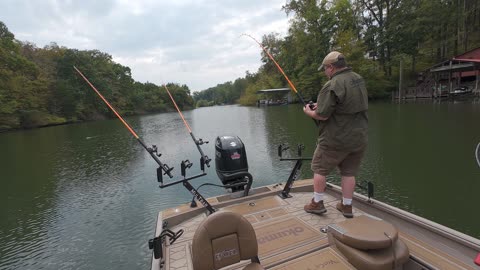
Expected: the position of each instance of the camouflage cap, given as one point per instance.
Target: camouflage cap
(331, 58)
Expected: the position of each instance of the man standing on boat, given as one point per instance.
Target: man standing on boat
(341, 109)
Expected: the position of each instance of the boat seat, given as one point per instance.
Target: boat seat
(369, 243)
(224, 238)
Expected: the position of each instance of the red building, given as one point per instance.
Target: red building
(460, 72)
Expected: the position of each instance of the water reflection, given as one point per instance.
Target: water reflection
(63, 180)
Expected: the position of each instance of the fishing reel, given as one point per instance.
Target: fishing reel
(200, 141)
(154, 149)
(204, 159)
(163, 169)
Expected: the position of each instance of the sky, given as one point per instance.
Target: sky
(192, 42)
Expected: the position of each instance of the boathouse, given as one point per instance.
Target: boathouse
(456, 76)
(277, 96)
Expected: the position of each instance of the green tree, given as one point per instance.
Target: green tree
(20, 91)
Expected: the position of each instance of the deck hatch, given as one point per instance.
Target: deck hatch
(257, 205)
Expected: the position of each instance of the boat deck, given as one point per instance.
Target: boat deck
(290, 238)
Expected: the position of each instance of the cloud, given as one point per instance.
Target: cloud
(192, 42)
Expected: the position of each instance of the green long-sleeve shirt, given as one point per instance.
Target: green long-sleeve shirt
(344, 100)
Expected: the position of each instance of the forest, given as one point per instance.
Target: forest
(39, 87)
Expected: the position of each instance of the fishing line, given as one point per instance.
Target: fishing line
(152, 151)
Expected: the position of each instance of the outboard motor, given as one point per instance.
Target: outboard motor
(231, 163)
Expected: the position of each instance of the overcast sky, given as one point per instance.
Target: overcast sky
(192, 42)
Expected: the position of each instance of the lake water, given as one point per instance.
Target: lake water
(85, 196)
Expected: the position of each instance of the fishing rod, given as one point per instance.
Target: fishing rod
(153, 151)
(204, 160)
(292, 86)
(279, 68)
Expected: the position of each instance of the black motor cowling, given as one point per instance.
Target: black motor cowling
(231, 162)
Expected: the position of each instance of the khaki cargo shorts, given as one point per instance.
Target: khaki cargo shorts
(348, 162)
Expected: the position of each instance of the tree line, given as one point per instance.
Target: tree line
(39, 87)
(375, 36)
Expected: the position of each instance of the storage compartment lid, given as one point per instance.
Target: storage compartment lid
(364, 232)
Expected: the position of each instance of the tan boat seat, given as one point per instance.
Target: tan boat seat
(222, 239)
(369, 243)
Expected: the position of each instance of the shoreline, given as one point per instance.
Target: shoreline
(12, 130)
